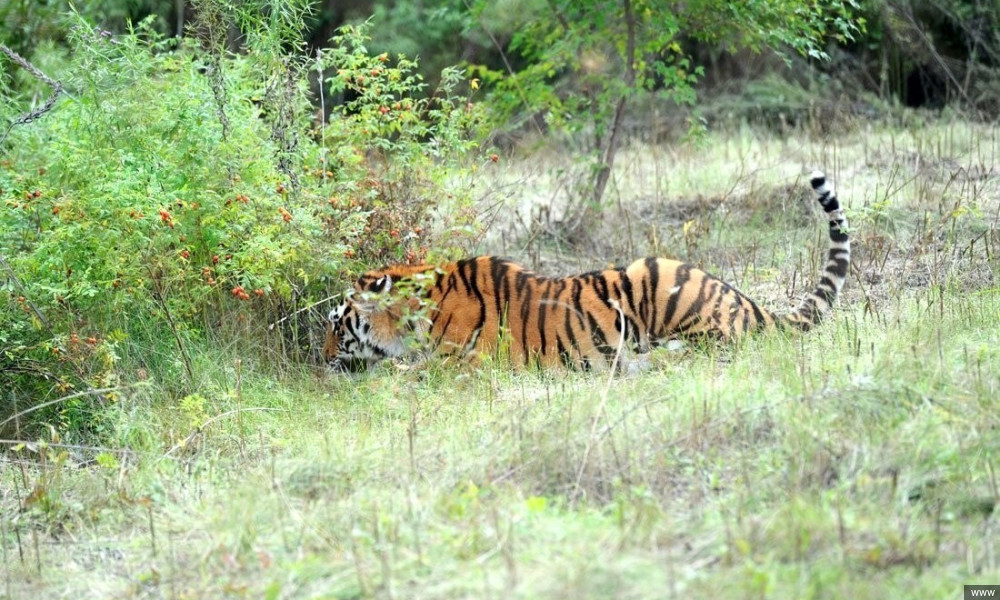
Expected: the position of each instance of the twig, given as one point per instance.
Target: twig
(6, 559)
(71, 446)
(30, 116)
(604, 400)
(201, 427)
(919, 31)
(158, 296)
(611, 150)
(286, 317)
(507, 65)
(96, 392)
(322, 111)
(20, 287)
(239, 405)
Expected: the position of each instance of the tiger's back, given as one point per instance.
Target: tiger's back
(579, 321)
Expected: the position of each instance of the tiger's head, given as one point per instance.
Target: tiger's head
(352, 338)
(370, 325)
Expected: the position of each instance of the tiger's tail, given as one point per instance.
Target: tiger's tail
(819, 302)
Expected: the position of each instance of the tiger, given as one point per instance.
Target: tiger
(581, 321)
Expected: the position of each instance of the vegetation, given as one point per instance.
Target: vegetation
(858, 460)
(620, 50)
(172, 224)
(192, 187)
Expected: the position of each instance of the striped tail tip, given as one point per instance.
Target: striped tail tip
(818, 181)
(819, 302)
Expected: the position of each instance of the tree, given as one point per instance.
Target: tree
(587, 59)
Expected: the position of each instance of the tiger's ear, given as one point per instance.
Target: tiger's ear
(382, 284)
(369, 300)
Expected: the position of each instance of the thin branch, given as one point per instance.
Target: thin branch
(301, 310)
(604, 401)
(506, 62)
(30, 116)
(20, 287)
(96, 392)
(32, 445)
(919, 32)
(158, 296)
(559, 16)
(218, 417)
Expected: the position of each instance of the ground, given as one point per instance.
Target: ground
(857, 461)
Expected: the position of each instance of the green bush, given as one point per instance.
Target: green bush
(183, 194)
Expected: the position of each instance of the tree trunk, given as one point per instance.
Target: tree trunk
(607, 161)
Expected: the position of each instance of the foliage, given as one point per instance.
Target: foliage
(439, 32)
(27, 24)
(588, 60)
(408, 134)
(185, 193)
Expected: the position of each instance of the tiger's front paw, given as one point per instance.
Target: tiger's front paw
(636, 365)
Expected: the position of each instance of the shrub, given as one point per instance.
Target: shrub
(185, 194)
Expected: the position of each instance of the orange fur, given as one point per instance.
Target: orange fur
(580, 321)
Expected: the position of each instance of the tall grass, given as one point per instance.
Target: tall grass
(855, 461)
